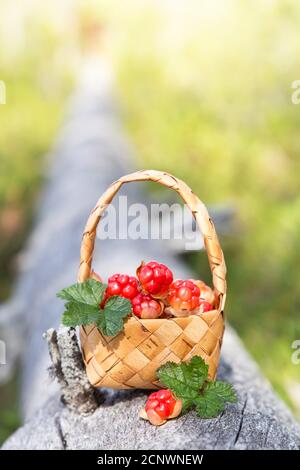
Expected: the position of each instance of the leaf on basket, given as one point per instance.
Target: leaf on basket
(82, 307)
(77, 313)
(89, 292)
(189, 382)
(111, 318)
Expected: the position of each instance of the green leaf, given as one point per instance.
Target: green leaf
(111, 318)
(88, 292)
(185, 379)
(188, 381)
(213, 399)
(83, 307)
(77, 313)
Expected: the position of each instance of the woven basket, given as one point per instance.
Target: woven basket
(130, 359)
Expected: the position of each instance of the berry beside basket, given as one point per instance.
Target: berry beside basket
(131, 358)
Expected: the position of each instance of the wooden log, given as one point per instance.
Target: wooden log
(258, 421)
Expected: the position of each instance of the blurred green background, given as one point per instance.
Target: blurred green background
(205, 92)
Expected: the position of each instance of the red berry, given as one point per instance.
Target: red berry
(155, 278)
(160, 406)
(205, 306)
(151, 404)
(162, 402)
(123, 285)
(184, 295)
(164, 394)
(163, 410)
(144, 306)
(206, 293)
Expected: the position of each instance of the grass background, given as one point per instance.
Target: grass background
(205, 89)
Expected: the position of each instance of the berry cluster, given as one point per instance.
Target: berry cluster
(154, 293)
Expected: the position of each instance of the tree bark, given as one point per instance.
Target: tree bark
(68, 368)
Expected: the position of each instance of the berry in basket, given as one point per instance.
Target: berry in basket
(206, 293)
(144, 306)
(204, 306)
(183, 298)
(123, 285)
(155, 278)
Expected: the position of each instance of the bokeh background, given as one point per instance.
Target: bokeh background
(204, 87)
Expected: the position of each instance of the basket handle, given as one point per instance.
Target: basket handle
(199, 211)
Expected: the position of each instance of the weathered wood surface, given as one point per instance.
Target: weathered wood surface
(258, 421)
(88, 156)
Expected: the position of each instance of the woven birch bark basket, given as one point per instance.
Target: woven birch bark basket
(130, 359)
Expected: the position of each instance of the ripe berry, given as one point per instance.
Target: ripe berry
(160, 406)
(184, 295)
(205, 306)
(155, 278)
(144, 306)
(123, 285)
(206, 293)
